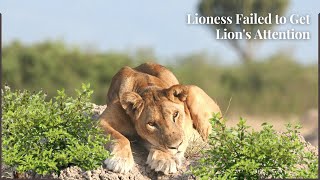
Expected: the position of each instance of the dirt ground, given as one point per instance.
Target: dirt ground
(142, 172)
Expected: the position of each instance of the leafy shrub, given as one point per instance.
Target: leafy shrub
(237, 153)
(46, 136)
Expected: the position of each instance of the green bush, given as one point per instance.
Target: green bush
(46, 136)
(48, 63)
(237, 153)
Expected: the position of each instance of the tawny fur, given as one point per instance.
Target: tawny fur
(148, 102)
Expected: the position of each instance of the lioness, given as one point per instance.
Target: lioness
(148, 102)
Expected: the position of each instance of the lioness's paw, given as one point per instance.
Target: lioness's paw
(179, 159)
(161, 161)
(119, 164)
(121, 161)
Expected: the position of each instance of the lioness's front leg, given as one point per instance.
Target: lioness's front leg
(164, 161)
(201, 108)
(113, 122)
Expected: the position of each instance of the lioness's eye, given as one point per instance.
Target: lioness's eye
(152, 124)
(175, 115)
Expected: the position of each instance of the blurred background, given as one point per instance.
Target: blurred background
(61, 44)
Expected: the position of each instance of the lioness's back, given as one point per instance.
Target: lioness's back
(146, 74)
(158, 71)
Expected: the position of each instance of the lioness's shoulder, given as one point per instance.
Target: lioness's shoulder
(151, 68)
(158, 71)
(121, 78)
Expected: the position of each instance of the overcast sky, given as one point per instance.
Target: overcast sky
(128, 25)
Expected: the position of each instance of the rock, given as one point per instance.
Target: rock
(97, 110)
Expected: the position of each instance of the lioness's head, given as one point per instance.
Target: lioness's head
(160, 116)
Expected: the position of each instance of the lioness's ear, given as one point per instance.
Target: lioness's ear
(177, 92)
(132, 103)
(201, 108)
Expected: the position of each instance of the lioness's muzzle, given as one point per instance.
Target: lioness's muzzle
(175, 146)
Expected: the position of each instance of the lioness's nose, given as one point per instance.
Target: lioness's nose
(175, 147)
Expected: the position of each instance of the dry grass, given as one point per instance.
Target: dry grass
(196, 144)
